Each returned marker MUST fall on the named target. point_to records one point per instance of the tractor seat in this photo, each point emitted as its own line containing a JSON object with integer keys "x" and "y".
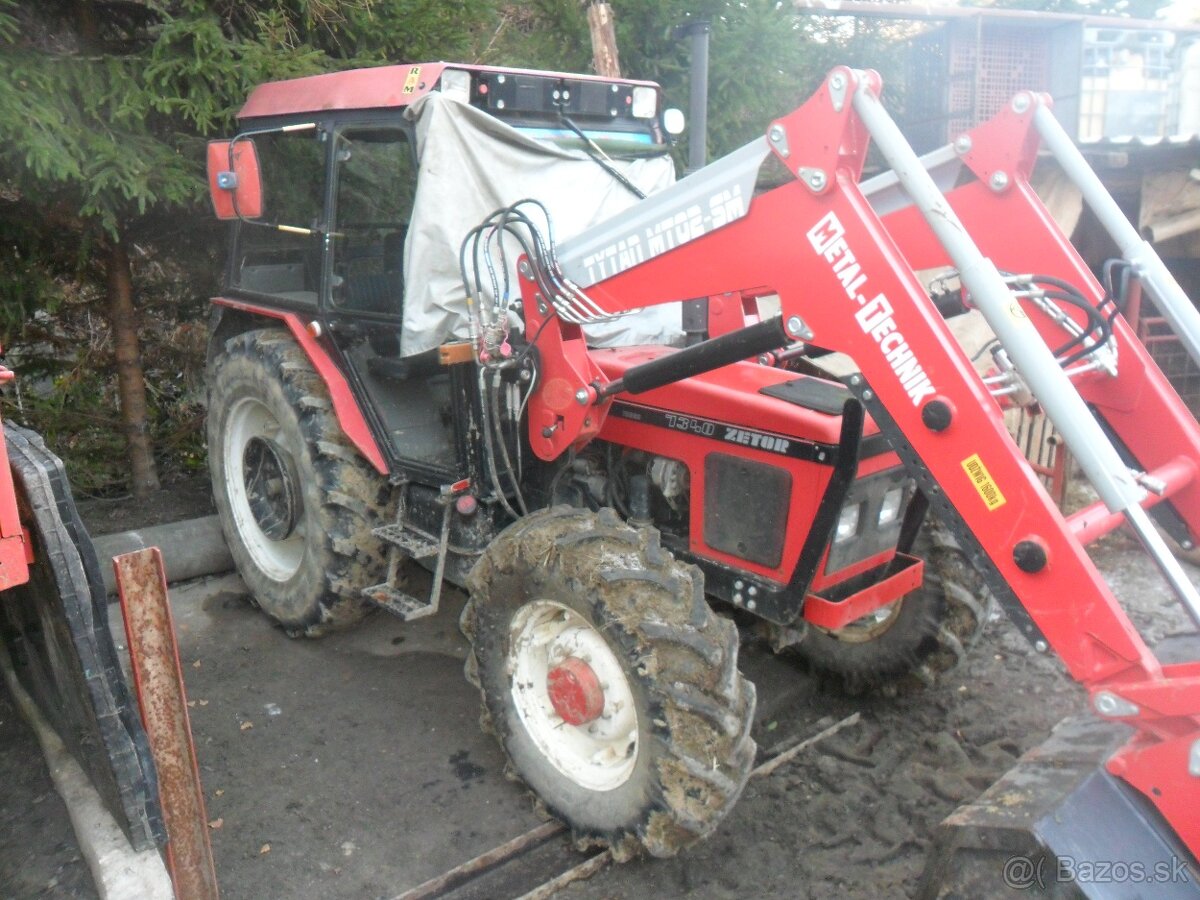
{"x": 378, "y": 292}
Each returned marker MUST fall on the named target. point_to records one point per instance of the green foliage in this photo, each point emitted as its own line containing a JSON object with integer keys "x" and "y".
{"x": 761, "y": 55}
{"x": 764, "y": 59}
{"x": 758, "y": 67}
{"x": 27, "y": 282}
{"x": 75, "y": 136}
{"x": 63, "y": 355}
{"x": 105, "y": 106}
{"x": 195, "y": 73}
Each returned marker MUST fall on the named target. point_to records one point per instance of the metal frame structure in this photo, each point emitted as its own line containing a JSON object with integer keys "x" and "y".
{"x": 819, "y": 237}
{"x": 15, "y": 546}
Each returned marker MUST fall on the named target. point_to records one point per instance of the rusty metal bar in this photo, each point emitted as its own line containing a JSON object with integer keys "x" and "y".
{"x": 473, "y": 868}
{"x": 584, "y": 870}
{"x": 792, "y": 752}
{"x": 158, "y": 682}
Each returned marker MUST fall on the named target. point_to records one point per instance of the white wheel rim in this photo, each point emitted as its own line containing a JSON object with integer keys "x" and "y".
{"x": 600, "y": 755}
{"x": 250, "y": 418}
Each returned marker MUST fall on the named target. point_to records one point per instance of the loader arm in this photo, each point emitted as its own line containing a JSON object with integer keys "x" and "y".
{"x": 846, "y": 278}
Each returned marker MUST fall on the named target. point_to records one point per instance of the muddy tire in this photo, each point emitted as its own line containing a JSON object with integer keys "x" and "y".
{"x": 667, "y": 749}
{"x": 919, "y": 638}
{"x": 297, "y": 501}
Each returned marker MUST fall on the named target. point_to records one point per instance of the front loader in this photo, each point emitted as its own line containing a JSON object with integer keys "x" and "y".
{"x": 611, "y": 488}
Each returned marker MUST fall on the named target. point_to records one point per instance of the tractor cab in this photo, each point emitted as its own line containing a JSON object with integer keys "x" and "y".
{"x": 351, "y": 192}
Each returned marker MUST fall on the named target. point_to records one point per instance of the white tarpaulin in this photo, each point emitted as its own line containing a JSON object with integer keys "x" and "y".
{"x": 472, "y": 164}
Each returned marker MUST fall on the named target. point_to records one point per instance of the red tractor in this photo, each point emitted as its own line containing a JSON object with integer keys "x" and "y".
{"x": 471, "y": 323}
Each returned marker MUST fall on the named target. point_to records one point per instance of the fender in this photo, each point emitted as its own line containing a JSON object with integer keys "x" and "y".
{"x": 345, "y": 406}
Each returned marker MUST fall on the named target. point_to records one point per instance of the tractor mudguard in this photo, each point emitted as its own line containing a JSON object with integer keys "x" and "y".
{"x": 55, "y": 627}
{"x": 349, "y": 415}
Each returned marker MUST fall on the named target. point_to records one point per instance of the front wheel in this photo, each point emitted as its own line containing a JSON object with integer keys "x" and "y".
{"x": 915, "y": 640}
{"x": 609, "y": 681}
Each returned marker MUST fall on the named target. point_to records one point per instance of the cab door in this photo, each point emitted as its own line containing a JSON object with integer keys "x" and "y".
{"x": 374, "y": 174}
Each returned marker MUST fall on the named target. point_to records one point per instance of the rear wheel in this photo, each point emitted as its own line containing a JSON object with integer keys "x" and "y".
{"x": 918, "y": 638}
{"x": 609, "y": 682}
{"x": 297, "y": 502}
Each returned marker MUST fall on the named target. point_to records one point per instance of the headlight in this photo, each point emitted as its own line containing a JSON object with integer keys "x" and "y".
{"x": 645, "y": 103}
{"x": 456, "y": 83}
{"x": 673, "y": 121}
{"x": 889, "y": 509}
{"x": 847, "y": 525}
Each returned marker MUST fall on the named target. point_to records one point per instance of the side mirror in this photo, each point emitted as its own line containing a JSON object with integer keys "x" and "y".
{"x": 234, "y": 179}
{"x": 673, "y": 122}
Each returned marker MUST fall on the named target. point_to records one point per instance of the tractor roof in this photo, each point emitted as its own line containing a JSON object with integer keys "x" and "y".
{"x": 375, "y": 88}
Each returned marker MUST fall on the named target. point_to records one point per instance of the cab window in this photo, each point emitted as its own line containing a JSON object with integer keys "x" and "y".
{"x": 376, "y": 179}
{"x": 280, "y": 252}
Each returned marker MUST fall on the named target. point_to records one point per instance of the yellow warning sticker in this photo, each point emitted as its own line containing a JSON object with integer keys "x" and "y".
{"x": 414, "y": 76}
{"x": 982, "y": 479}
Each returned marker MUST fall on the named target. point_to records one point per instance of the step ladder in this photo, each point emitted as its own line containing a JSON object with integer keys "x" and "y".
{"x": 409, "y": 542}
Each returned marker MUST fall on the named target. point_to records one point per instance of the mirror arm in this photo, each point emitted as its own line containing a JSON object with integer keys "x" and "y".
{"x": 245, "y": 135}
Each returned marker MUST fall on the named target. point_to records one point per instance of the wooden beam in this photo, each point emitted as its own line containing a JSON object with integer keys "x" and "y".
{"x": 604, "y": 39}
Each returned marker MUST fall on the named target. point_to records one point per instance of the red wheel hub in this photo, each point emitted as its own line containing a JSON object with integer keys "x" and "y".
{"x": 575, "y": 691}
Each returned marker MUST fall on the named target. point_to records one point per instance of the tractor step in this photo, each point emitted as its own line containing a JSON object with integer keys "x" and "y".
{"x": 399, "y": 603}
{"x": 414, "y": 545}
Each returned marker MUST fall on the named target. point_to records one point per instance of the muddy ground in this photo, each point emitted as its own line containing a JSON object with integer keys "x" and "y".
{"x": 353, "y": 766}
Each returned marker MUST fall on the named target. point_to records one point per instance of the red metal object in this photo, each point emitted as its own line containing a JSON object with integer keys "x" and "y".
{"x": 1095, "y": 521}
{"x": 245, "y": 198}
{"x": 15, "y": 559}
{"x": 158, "y": 682}
{"x": 16, "y": 549}
{"x": 733, "y": 396}
{"x": 349, "y": 414}
{"x": 561, "y": 421}
{"x": 800, "y": 241}
{"x": 732, "y": 310}
{"x": 575, "y": 691}
{"x": 849, "y": 276}
{"x": 834, "y": 614}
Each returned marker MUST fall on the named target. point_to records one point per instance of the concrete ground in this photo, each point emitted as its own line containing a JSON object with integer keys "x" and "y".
{"x": 39, "y": 856}
{"x": 354, "y": 767}
{"x": 351, "y": 766}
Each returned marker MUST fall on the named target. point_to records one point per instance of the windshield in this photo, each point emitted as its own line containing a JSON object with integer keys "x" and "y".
{"x": 617, "y": 144}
